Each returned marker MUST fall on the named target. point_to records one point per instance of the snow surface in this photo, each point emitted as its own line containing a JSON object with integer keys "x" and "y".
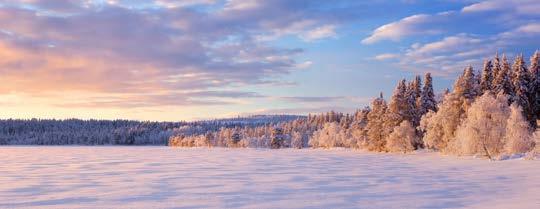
{"x": 165, "y": 177}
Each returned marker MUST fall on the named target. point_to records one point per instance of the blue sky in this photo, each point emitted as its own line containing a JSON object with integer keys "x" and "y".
{"x": 171, "y": 60}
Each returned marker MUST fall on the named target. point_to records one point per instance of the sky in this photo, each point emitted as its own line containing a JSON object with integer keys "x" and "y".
{"x": 172, "y": 60}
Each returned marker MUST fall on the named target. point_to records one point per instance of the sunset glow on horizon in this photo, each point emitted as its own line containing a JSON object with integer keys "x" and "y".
{"x": 172, "y": 60}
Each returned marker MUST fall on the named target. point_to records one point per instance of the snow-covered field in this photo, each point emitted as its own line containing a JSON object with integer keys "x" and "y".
{"x": 164, "y": 177}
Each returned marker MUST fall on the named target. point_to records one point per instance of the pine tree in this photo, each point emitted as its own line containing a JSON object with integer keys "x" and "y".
{"x": 521, "y": 87}
{"x": 487, "y": 77}
{"x": 427, "y": 97}
{"x": 375, "y": 126}
{"x": 534, "y": 70}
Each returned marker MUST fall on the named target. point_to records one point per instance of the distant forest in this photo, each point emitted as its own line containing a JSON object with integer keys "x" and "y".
{"x": 117, "y": 132}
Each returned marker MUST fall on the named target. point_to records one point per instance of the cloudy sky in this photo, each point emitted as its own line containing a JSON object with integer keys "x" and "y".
{"x": 170, "y": 60}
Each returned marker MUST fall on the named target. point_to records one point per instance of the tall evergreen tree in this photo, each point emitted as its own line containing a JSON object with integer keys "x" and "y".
{"x": 414, "y": 90}
{"x": 487, "y": 77}
{"x": 503, "y": 82}
{"x": 466, "y": 85}
{"x": 427, "y": 97}
{"x": 534, "y": 70}
{"x": 375, "y": 126}
{"x": 522, "y": 87}
{"x": 495, "y": 67}
{"x": 398, "y": 108}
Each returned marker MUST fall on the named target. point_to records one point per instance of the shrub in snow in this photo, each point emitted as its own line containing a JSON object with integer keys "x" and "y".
{"x": 518, "y": 137}
{"x": 402, "y": 138}
{"x": 481, "y": 131}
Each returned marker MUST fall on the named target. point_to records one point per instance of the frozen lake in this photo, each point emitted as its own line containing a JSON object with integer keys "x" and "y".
{"x": 163, "y": 177}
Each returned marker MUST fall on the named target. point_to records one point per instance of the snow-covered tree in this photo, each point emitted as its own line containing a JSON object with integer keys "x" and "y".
{"x": 503, "y": 82}
{"x": 402, "y": 138}
{"x": 413, "y": 93}
{"x": 522, "y": 89}
{"x": 427, "y": 97}
{"x": 487, "y": 77}
{"x": 481, "y": 131}
{"x": 375, "y": 126}
{"x": 518, "y": 137}
{"x": 439, "y": 127}
{"x": 331, "y": 135}
{"x": 534, "y": 70}
{"x": 398, "y": 108}
{"x": 278, "y": 138}
{"x": 466, "y": 85}
{"x": 496, "y": 69}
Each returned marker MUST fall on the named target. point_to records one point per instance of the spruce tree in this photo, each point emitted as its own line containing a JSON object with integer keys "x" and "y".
{"x": 427, "y": 97}
{"x": 486, "y": 77}
{"x": 398, "y": 108}
{"x": 495, "y": 67}
{"x": 414, "y": 90}
{"x": 522, "y": 87}
{"x": 375, "y": 126}
{"x": 534, "y": 70}
{"x": 502, "y": 82}
{"x": 466, "y": 85}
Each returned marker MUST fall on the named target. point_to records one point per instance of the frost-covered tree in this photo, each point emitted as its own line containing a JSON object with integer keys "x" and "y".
{"x": 331, "y": 135}
{"x": 414, "y": 90}
{"x": 358, "y": 128}
{"x": 402, "y": 138}
{"x": 518, "y": 137}
{"x": 299, "y": 140}
{"x": 534, "y": 70}
{"x": 503, "y": 82}
{"x": 487, "y": 77}
{"x": 375, "y": 126}
{"x": 278, "y": 138}
{"x": 466, "y": 85}
{"x": 398, "y": 108}
{"x": 496, "y": 69}
{"x": 522, "y": 89}
{"x": 439, "y": 127}
{"x": 481, "y": 131}
{"x": 427, "y": 97}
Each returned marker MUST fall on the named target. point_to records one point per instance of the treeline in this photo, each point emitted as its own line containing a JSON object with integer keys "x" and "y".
{"x": 491, "y": 113}
{"x": 116, "y": 132}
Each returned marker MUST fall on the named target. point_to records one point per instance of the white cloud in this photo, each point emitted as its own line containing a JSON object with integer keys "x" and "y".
{"x": 325, "y": 31}
{"x": 386, "y": 56}
{"x": 394, "y": 31}
{"x": 526, "y": 7}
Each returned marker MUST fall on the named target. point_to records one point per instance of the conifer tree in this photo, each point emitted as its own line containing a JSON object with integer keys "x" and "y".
{"x": 496, "y": 68}
{"x": 427, "y": 96}
{"x": 466, "y": 85}
{"x": 521, "y": 84}
{"x": 487, "y": 77}
{"x": 534, "y": 70}
{"x": 375, "y": 126}
{"x": 414, "y": 90}
{"x": 398, "y": 108}
{"x": 503, "y": 82}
